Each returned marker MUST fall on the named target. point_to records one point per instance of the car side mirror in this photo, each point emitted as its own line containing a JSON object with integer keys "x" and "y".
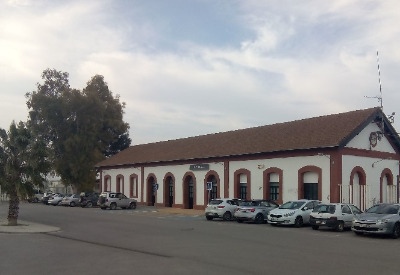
{"x": 305, "y": 208}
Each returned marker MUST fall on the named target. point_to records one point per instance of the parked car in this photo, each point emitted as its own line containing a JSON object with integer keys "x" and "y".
{"x": 55, "y": 199}
{"x": 221, "y": 208}
{"x": 294, "y": 213}
{"x": 88, "y": 199}
{"x": 334, "y": 215}
{"x": 254, "y": 210}
{"x": 113, "y": 200}
{"x": 46, "y": 197}
{"x": 37, "y": 196}
{"x": 71, "y": 200}
{"x": 382, "y": 218}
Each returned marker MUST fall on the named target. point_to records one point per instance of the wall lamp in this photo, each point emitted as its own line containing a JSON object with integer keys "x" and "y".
{"x": 327, "y": 156}
{"x": 373, "y": 164}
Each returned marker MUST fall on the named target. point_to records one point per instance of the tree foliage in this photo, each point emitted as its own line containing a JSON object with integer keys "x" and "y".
{"x": 81, "y": 127}
{"x": 23, "y": 165}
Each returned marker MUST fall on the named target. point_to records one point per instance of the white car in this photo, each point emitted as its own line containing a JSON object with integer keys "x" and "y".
{"x": 294, "y": 213}
{"x": 255, "y": 210}
{"x": 221, "y": 208}
{"x": 334, "y": 215}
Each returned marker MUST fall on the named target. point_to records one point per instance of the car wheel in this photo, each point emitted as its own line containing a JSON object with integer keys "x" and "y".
{"x": 259, "y": 219}
{"x": 298, "y": 222}
{"x": 227, "y": 216}
{"x": 113, "y": 206}
{"x": 396, "y": 231}
{"x": 315, "y": 227}
{"x": 132, "y": 205}
{"x": 89, "y": 204}
{"x": 340, "y": 226}
{"x": 209, "y": 218}
{"x": 72, "y": 204}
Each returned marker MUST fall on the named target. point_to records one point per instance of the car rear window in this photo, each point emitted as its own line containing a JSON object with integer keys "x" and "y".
{"x": 215, "y": 202}
{"x": 324, "y": 208}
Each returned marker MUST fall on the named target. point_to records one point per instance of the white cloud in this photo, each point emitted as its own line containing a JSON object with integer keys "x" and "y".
{"x": 294, "y": 60}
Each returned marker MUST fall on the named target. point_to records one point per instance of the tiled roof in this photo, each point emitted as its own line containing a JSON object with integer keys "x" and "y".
{"x": 318, "y": 132}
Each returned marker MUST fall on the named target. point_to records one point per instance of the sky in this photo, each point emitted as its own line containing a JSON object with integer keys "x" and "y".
{"x": 193, "y": 67}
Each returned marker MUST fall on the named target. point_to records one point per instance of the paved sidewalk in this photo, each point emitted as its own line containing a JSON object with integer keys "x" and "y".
{"x": 26, "y": 227}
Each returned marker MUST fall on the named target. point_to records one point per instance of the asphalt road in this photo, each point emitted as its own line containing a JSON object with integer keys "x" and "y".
{"x": 94, "y": 241}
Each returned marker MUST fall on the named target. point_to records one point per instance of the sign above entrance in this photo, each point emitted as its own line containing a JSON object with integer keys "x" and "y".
{"x": 199, "y": 167}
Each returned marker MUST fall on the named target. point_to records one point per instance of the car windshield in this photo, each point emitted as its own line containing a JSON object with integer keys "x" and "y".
{"x": 292, "y": 205}
{"x": 249, "y": 203}
{"x": 215, "y": 202}
{"x": 383, "y": 209}
{"x": 324, "y": 208}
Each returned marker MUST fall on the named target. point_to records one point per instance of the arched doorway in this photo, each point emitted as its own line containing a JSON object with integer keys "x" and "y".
{"x": 169, "y": 191}
{"x": 388, "y": 191}
{"x": 189, "y": 191}
{"x": 358, "y": 188}
{"x": 212, "y": 179}
{"x": 151, "y": 192}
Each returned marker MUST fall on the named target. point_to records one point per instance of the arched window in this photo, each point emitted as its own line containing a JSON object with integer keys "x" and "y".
{"x": 273, "y": 184}
{"x": 120, "y": 183}
{"x": 310, "y": 183}
{"x": 107, "y": 183}
{"x": 242, "y": 183}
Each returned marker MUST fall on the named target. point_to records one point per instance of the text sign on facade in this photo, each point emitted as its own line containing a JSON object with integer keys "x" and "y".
{"x": 199, "y": 167}
{"x": 209, "y": 185}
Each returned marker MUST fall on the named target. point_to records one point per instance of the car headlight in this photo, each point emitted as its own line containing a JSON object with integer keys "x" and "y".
{"x": 289, "y": 214}
{"x": 382, "y": 221}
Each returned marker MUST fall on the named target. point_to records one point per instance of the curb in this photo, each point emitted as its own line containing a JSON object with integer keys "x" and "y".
{"x": 27, "y": 227}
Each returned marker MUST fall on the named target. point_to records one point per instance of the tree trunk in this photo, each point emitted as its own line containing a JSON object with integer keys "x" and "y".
{"x": 13, "y": 208}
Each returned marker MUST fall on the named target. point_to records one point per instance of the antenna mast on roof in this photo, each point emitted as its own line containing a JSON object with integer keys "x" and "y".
{"x": 380, "y": 84}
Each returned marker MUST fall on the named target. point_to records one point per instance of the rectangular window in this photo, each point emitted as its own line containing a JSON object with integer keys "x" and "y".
{"x": 311, "y": 191}
{"x": 274, "y": 191}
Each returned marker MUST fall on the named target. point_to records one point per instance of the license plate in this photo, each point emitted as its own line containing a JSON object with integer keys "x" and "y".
{"x": 318, "y": 222}
{"x": 274, "y": 219}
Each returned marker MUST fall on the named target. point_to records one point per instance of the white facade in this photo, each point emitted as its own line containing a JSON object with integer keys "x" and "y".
{"x": 364, "y": 171}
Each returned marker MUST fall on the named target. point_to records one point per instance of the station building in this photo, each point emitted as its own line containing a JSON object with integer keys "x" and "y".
{"x": 347, "y": 157}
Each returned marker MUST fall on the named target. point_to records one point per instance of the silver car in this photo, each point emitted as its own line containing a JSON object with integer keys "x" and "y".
{"x": 113, "y": 200}
{"x": 334, "y": 215}
{"x": 70, "y": 200}
{"x": 221, "y": 208}
{"x": 382, "y": 218}
{"x": 254, "y": 210}
{"x": 55, "y": 199}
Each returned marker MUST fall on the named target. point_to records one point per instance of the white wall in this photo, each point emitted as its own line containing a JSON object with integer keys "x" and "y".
{"x": 361, "y": 141}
